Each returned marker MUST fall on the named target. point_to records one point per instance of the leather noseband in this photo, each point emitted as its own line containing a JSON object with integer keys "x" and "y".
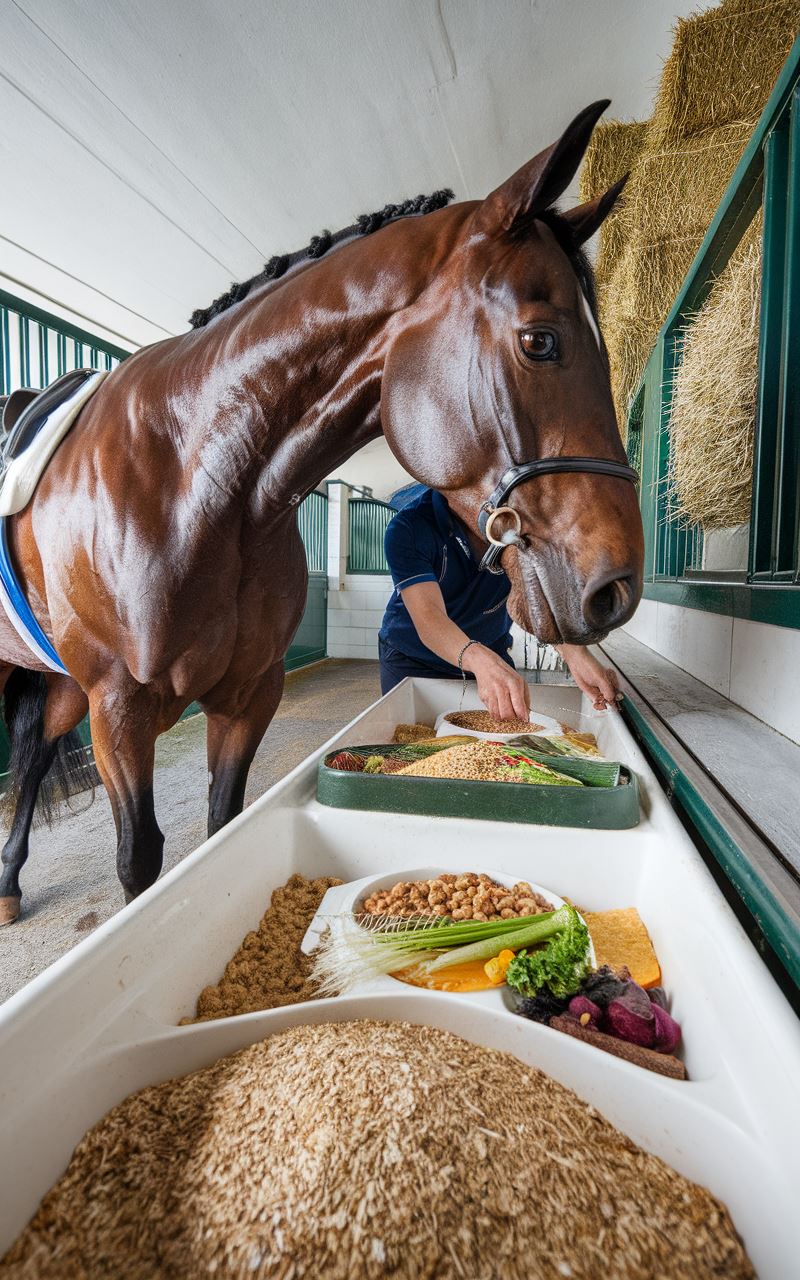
{"x": 527, "y": 471}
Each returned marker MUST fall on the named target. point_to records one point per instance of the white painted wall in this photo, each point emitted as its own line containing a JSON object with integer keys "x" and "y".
{"x": 152, "y": 152}
{"x": 754, "y": 664}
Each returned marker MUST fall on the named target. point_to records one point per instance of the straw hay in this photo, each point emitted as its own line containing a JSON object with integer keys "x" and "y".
{"x": 672, "y": 197}
{"x": 370, "y": 1149}
{"x": 712, "y": 415}
{"x": 613, "y": 151}
{"x": 715, "y": 83}
{"x": 723, "y": 65}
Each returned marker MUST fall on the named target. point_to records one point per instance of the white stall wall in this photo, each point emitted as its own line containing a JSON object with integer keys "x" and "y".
{"x": 754, "y": 664}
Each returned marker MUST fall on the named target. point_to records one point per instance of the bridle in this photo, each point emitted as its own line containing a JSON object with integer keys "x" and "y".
{"x": 493, "y": 506}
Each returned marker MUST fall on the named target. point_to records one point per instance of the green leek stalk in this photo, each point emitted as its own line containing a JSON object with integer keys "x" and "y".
{"x": 435, "y": 936}
{"x": 543, "y": 927}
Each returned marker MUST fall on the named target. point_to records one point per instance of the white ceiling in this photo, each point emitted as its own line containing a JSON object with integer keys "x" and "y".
{"x": 154, "y": 150}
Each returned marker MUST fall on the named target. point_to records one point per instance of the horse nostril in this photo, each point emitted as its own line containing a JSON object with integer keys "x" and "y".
{"x": 608, "y": 602}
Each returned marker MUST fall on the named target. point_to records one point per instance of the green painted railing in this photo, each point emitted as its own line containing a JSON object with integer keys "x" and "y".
{"x": 768, "y": 590}
{"x": 36, "y": 347}
{"x": 368, "y": 520}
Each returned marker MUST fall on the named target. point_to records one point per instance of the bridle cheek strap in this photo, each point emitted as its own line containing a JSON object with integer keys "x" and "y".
{"x": 515, "y": 476}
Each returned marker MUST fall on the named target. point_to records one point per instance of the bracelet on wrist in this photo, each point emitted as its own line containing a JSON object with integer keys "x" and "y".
{"x": 463, "y": 651}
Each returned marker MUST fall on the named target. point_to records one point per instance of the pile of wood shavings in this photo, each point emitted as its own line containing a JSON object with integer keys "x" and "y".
{"x": 269, "y": 970}
{"x": 370, "y": 1149}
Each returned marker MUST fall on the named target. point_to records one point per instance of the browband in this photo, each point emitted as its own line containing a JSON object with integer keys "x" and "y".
{"x": 526, "y": 471}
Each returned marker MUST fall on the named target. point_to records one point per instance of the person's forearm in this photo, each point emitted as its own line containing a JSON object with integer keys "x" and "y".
{"x": 441, "y": 635}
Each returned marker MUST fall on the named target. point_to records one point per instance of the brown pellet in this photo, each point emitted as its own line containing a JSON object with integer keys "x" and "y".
{"x": 269, "y": 969}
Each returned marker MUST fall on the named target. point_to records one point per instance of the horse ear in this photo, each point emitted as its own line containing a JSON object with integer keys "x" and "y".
{"x": 538, "y": 184}
{"x": 585, "y": 219}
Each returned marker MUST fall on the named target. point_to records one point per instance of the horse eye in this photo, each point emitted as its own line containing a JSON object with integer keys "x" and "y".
{"x": 539, "y": 344}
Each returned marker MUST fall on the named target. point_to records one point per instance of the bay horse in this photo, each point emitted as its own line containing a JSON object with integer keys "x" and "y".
{"x": 161, "y": 552}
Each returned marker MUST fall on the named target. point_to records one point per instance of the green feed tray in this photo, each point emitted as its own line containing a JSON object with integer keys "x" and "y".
{"x": 606, "y": 808}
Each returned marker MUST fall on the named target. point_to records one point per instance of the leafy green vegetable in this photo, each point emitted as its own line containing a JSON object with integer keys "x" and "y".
{"x": 560, "y": 967}
{"x": 531, "y": 770}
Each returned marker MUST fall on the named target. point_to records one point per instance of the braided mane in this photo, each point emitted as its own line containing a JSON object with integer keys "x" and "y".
{"x": 319, "y": 245}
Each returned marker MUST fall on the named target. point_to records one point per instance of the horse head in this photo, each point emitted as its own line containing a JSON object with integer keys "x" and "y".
{"x": 501, "y": 363}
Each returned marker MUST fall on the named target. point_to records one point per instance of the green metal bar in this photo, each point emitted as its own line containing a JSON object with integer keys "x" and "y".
{"x": 24, "y": 351}
{"x": 44, "y": 355}
{"x": 778, "y": 604}
{"x": 785, "y": 518}
{"x": 5, "y": 363}
{"x": 770, "y": 350}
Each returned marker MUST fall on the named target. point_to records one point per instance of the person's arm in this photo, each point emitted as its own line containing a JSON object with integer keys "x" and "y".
{"x": 501, "y": 689}
{"x": 598, "y": 682}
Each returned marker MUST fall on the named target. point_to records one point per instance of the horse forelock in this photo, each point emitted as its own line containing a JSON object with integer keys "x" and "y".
{"x": 278, "y": 265}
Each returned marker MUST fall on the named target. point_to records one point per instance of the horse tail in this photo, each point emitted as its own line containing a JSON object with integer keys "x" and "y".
{"x": 64, "y": 773}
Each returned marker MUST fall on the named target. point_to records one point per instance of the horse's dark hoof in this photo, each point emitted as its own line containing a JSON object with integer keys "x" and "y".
{"x": 9, "y": 910}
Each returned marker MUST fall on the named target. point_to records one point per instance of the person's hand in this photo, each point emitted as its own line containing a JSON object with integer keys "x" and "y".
{"x": 598, "y": 682}
{"x": 501, "y": 689}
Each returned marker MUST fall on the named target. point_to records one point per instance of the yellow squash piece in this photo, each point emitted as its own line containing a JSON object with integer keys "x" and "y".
{"x": 620, "y": 938}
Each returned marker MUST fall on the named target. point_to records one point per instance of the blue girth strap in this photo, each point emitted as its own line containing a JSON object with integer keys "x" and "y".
{"x": 15, "y": 600}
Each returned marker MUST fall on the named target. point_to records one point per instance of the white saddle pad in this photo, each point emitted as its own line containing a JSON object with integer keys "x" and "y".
{"x": 24, "y": 473}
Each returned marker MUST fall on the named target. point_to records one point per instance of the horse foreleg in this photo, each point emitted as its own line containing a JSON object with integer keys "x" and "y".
{"x": 65, "y": 706}
{"x": 233, "y": 737}
{"x": 124, "y": 730}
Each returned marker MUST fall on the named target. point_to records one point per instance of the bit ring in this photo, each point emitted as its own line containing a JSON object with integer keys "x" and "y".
{"x": 506, "y": 540}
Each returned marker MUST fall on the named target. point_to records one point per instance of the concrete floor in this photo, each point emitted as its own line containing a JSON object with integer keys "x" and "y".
{"x": 69, "y": 883}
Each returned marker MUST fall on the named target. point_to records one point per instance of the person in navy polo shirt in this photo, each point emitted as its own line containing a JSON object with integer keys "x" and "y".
{"x": 445, "y": 611}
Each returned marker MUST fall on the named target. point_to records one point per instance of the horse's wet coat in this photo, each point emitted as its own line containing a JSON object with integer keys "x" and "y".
{"x": 161, "y": 550}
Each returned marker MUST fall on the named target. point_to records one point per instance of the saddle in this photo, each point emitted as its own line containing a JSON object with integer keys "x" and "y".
{"x": 25, "y": 411}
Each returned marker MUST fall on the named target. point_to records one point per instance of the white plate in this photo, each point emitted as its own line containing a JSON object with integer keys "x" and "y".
{"x": 542, "y": 722}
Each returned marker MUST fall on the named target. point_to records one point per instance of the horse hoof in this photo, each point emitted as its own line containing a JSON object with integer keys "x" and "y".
{"x": 9, "y": 910}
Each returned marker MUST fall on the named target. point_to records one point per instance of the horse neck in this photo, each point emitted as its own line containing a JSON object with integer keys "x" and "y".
{"x": 293, "y": 379}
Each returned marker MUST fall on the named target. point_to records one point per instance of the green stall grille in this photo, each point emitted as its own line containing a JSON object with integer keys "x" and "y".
{"x": 36, "y": 347}
{"x": 368, "y": 519}
{"x": 767, "y": 588}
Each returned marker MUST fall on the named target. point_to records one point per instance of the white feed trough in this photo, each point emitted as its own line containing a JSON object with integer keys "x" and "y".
{"x": 102, "y": 1021}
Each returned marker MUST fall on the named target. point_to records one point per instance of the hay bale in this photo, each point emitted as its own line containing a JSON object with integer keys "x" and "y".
{"x": 713, "y": 409}
{"x": 714, "y": 86}
{"x": 723, "y": 66}
{"x": 672, "y": 197}
{"x": 613, "y": 151}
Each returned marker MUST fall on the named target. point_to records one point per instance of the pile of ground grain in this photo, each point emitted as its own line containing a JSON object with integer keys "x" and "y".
{"x": 412, "y": 732}
{"x": 476, "y": 761}
{"x": 269, "y": 969}
{"x": 484, "y": 722}
{"x": 370, "y": 1149}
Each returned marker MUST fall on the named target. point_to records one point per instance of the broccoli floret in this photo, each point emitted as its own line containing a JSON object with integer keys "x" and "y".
{"x": 560, "y": 967}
